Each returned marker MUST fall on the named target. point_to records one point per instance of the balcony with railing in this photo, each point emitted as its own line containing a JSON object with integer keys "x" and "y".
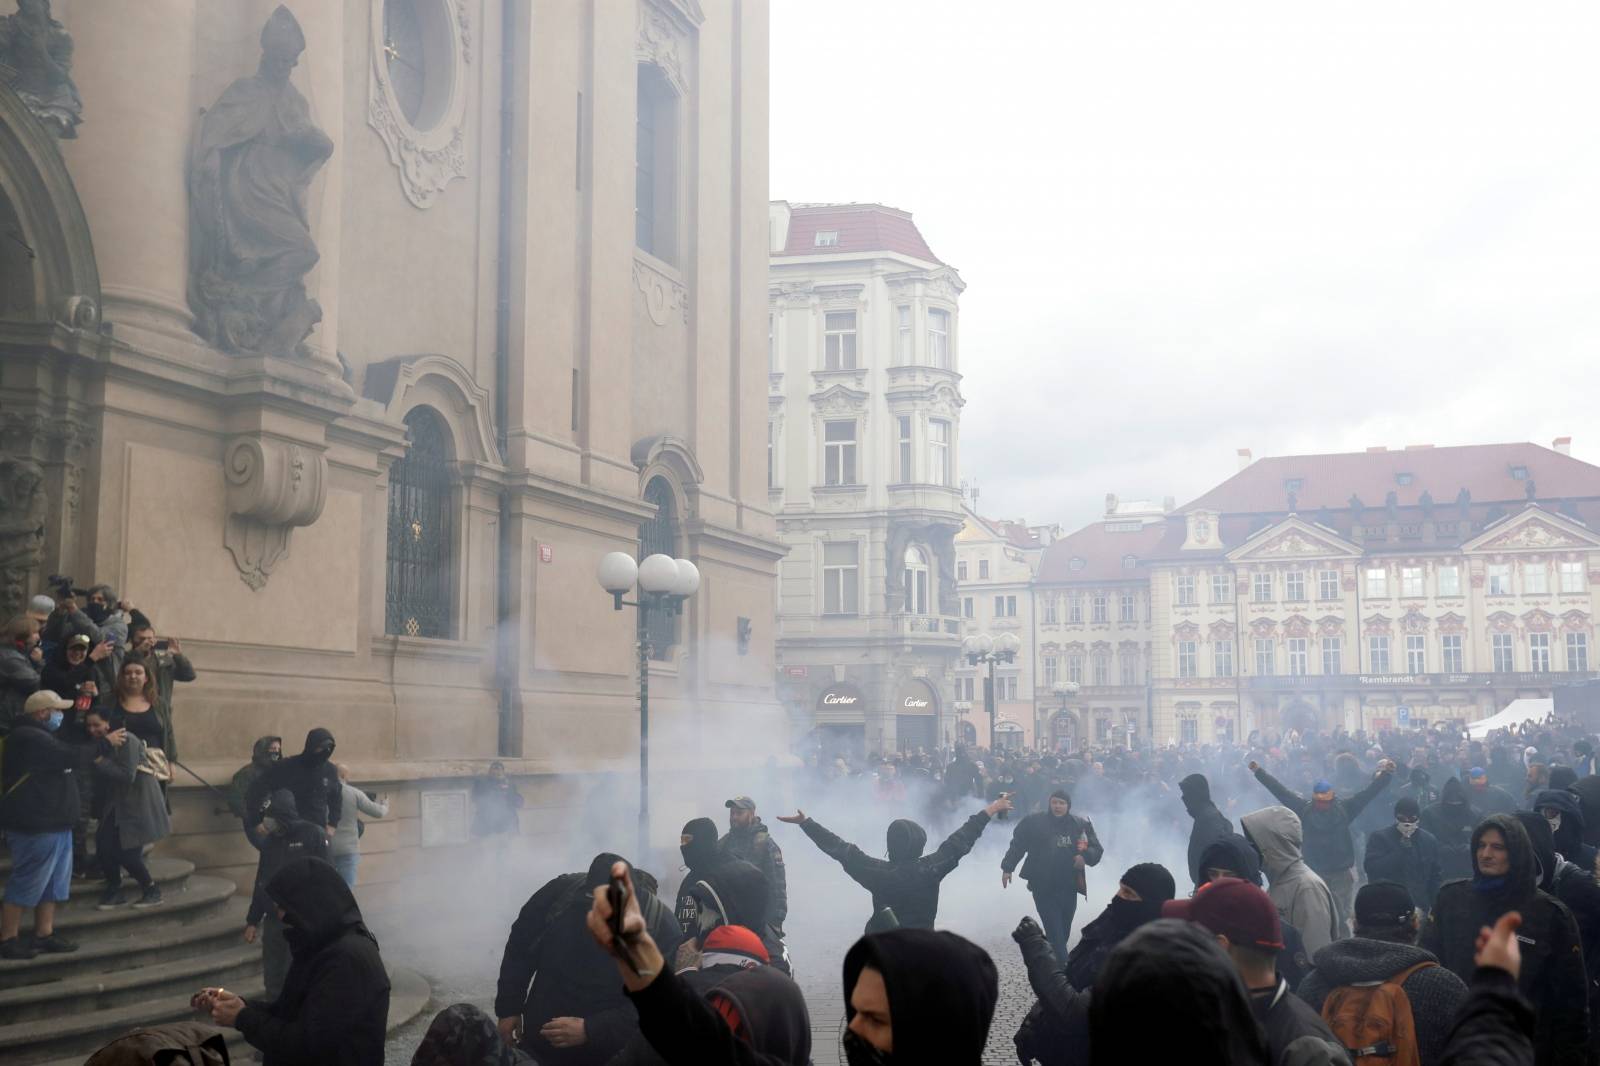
{"x": 942, "y": 629}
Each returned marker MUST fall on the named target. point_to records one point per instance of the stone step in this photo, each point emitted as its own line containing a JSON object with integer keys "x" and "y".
{"x": 135, "y": 944}
{"x": 170, "y": 874}
{"x": 409, "y": 996}
{"x": 199, "y": 897}
{"x": 237, "y": 966}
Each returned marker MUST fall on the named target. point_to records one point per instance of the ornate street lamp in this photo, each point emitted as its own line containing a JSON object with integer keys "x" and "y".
{"x": 983, "y": 648}
{"x": 1065, "y": 690}
{"x": 664, "y": 583}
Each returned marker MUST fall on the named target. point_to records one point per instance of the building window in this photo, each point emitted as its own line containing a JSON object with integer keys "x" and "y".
{"x": 1100, "y": 614}
{"x": 1578, "y": 652}
{"x": 826, "y": 238}
{"x": 1416, "y": 653}
{"x": 840, "y": 578}
{"x": 1539, "y": 652}
{"x": 1298, "y": 664}
{"x": 1188, "y": 730}
{"x": 1075, "y": 669}
{"x": 1075, "y": 609}
{"x": 1049, "y": 610}
{"x": 839, "y": 340}
{"x": 772, "y": 444}
{"x": 983, "y": 569}
{"x": 1535, "y": 579}
{"x": 421, "y": 548}
{"x": 1128, "y": 664}
{"x": 961, "y": 570}
{"x": 1102, "y": 670}
{"x": 1050, "y": 670}
{"x": 772, "y": 344}
{"x": 916, "y": 576}
{"x": 659, "y": 536}
{"x": 1502, "y": 653}
{"x": 1222, "y": 658}
{"x": 1102, "y": 730}
{"x": 939, "y": 451}
{"x": 1221, "y": 588}
{"x": 908, "y": 473}
{"x": 1294, "y": 585}
{"x": 966, "y": 607}
{"x": 1125, "y": 608}
{"x": 1008, "y": 686}
{"x": 904, "y": 337}
{"x": 1331, "y": 650}
{"x": 655, "y": 165}
{"x": 1186, "y": 658}
{"x": 1377, "y": 584}
{"x": 1183, "y": 590}
{"x": 1261, "y": 587}
{"x": 1327, "y": 584}
{"x": 1449, "y": 581}
{"x": 939, "y": 338}
{"x": 1005, "y": 606}
{"x": 839, "y": 453}
{"x": 1450, "y": 653}
{"x": 1411, "y": 581}
{"x": 1011, "y": 606}
{"x": 1572, "y": 577}
{"x": 1499, "y": 575}
{"x": 1266, "y": 657}
{"x": 971, "y": 689}
{"x": 1377, "y": 654}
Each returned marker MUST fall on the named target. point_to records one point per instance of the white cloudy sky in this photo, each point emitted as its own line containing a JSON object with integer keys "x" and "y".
{"x": 1189, "y": 228}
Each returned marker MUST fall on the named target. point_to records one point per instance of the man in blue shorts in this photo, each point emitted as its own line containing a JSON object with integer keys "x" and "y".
{"x": 38, "y": 810}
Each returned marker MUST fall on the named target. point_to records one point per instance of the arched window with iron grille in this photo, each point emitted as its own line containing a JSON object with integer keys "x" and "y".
{"x": 421, "y": 552}
{"x": 659, "y": 535}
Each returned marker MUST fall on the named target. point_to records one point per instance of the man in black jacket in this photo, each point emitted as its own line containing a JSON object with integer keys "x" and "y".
{"x": 334, "y": 1007}
{"x": 286, "y": 838}
{"x": 312, "y": 778}
{"x": 906, "y": 885}
{"x": 1210, "y": 824}
{"x": 1406, "y": 853}
{"x": 1059, "y": 847}
{"x": 38, "y": 809}
{"x": 1140, "y": 895}
{"x": 1325, "y": 821}
{"x": 1451, "y": 821}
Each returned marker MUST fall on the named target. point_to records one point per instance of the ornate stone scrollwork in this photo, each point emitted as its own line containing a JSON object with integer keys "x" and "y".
{"x": 24, "y": 509}
{"x": 427, "y": 142}
{"x": 273, "y": 486}
{"x": 662, "y": 295}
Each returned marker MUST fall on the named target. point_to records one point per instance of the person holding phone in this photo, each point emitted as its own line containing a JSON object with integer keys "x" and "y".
{"x": 165, "y": 662}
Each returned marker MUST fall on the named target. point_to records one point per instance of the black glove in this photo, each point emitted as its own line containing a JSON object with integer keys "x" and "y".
{"x": 1026, "y": 930}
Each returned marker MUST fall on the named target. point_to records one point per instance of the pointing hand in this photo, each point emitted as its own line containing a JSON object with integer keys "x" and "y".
{"x": 796, "y": 818}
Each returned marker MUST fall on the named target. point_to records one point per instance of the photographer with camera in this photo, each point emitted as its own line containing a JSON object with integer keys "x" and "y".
{"x": 66, "y": 616}
{"x": 20, "y": 663}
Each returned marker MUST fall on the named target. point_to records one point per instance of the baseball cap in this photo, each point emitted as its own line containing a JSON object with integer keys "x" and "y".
{"x": 78, "y": 639}
{"x": 45, "y": 700}
{"x": 1384, "y": 904}
{"x": 743, "y": 803}
{"x": 1232, "y": 908}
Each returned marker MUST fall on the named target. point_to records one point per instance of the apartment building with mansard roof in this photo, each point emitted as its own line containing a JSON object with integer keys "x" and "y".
{"x": 863, "y": 444}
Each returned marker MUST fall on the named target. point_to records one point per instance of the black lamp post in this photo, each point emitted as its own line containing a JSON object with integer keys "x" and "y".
{"x": 986, "y": 649}
{"x": 664, "y": 583}
{"x": 1065, "y": 690}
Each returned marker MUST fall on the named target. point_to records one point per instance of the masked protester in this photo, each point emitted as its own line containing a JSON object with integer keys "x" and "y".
{"x": 1210, "y": 824}
{"x": 335, "y": 1001}
{"x": 285, "y": 838}
{"x": 1302, "y": 898}
{"x": 917, "y": 996}
{"x": 1142, "y": 891}
{"x": 1059, "y": 848}
{"x": 905, "y": 887}
{"x": 1564, "y": 813}
{"x": 1237, "y": 857}
{"x": 1506, "y": 878}
{"x": 264, "y": 755}
{"x": 312, "y": 778}
{"x": 1488, "y": 798}
{"x": 1406, "y": 853}
{"x": 698, "y": 846}
{"x": 1451, "y": 821}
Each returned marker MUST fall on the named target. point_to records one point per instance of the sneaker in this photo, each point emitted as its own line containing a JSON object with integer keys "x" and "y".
{"x": 16, "y": 948}
{"x": 54, "y": 944}
{"x": 150, "y": 898}
{"x": 111, "y": 899}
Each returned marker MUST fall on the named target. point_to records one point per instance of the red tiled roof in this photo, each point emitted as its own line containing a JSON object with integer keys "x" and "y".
{"x": 1484, "y": 470}
{"x": 1102, "y": 552}
{"x": 861, "y": 228}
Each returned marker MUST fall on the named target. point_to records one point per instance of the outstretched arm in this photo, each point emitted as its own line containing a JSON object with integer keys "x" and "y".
{"x": 1291, "y": 800}
{"x": 955, "y": 847}
{"x": 856, "y": 862}
{"x": 1380, "y": 780}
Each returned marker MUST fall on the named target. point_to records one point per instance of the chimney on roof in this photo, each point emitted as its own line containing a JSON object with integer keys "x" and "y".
{"x": 1168, "y": 503}
{"x": 1562, "y": 445}
{"x": 1372, "y": 449}
{"x": 1244, "y": 458}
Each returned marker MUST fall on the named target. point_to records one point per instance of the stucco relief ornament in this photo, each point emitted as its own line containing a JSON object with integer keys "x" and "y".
{"x": 662, "y": 295}
{"x": 424, "y": 171}
{"x": 250, "y": 246}
{"x": 1291, "y": 544}
{"x": 660, "y": 42}
{"x": 1533, "y": 535}
{"x": 272, "y": 487}
{"x": 24, "y": 508}
{"x": 36, "y": 61}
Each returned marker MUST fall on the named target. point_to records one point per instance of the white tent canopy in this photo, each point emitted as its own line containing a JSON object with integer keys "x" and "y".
{"x": 1514, "y": 714}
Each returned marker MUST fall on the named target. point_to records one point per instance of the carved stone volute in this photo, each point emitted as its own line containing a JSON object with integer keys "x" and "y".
{"x": 273, "y": 486}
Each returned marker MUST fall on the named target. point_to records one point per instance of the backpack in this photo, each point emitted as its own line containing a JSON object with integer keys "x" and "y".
{"x": 1372, "y": 1019}
{"x": 177, "y": 1044}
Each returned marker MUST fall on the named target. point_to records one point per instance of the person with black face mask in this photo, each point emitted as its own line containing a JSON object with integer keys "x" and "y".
{"x": 905, "y": 887}
{"x": 264, "y": 755}
{"x": 917, "y": 996}
{"x": 698, "y": 845}
{"x": 310, "y": 776}
{"x": 1144, "y": 888}
{"x": 285, "y": 838}
{"x": 1451, "y": 821}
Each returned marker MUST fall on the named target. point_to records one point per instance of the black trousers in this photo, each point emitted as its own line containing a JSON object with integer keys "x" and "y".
{"x": 114, "y": 858}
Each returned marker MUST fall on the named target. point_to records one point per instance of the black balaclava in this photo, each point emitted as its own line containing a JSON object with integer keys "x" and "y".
{"x": 318, "y": 905}
{"x": 1196, "y": 792}
{"x": 600, "y": 869}
{"x": 319, "y": 746}
{"x": 734, "y": 893}
{"x": 1155, "y": 887}
{"x": 1236, "y": 853}
{"x": 701, "y": 852}
{"x": 906, "y": 840}
{"x": 1544, "y": 847}
{"x": 942, "y": 990}
{"x": 282, "y": 808}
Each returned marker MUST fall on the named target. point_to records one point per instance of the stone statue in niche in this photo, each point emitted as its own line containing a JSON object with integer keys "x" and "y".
{"x": 36, "y": 61}
{"x": 23, "y": 510}
{"x": 250, "y": 244}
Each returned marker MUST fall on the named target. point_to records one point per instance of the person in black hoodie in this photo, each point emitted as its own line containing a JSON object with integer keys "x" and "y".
{"x": 1565, "y": 815}
{"x": 1140, "y": 894}
{"x": 312, "y": 778}
{"x": 904, "y": 887}
{"x": 1405, "y": 852}
{"x": 698, "y": 845}
{"x": 1506, "y": 878}
{"x": 1210, "y": 824}
{"x": 1059, "y": 848}
{"x": 1451, "y": 822}
{"x": 918, "y": 996}
{"x": 335, "y": 1003}
{"x": 287, "y": 837}
{"x": 1235, "y": 856}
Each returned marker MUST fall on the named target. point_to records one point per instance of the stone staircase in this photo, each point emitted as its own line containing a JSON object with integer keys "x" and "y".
{"x": 139, "y": 967}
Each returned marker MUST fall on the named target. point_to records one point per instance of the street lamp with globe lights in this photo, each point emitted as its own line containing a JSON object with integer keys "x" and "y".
{"x": 983, "y": 648}
{"x": 664, "y": 584}
{"x": 1065, "y": 690}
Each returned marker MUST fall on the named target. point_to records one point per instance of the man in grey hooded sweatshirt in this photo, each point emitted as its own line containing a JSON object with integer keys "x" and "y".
{"x": 1302, "y": 898}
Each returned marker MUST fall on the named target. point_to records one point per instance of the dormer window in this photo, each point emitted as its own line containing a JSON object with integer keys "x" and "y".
{"x": 827, "y": 238}
{"x": 1129, "y": 562}
{"x": 1519, "y": 473}
{"x": 1076, "y": 563}
{"x": 1293, "y": 484}
{"x": 1402, "y": 478}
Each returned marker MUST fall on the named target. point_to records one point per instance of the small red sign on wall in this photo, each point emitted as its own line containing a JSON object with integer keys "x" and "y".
{"x": 547, "y": 553}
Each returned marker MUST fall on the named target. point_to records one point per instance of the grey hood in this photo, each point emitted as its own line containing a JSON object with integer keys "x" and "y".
{"x": 1356, "y": 959}
{"x": 1276, "y": 833}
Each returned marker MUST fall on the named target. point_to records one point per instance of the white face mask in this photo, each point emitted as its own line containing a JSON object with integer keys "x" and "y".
{"x": 1555, "y": 823}
{"x": 1406, "y": 828}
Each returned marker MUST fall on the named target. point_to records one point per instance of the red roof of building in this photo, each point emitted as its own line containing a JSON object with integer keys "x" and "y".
{"x": 1486, "y": 471}
{"x": 861, "y": 228}
{"x": 1103, "y": 552}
